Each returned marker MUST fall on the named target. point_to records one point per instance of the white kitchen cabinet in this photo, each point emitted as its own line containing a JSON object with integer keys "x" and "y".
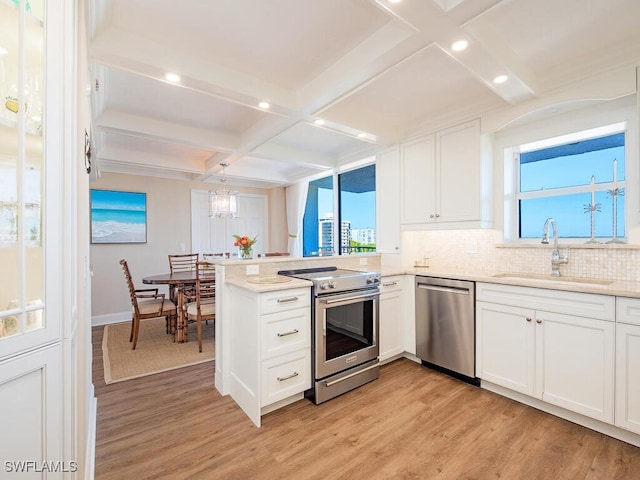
{"x": 418, "y": 177}
{"x": 388, "y": 201}
{"x": 44, "y": 402}
{"x": 442, "y": 179}
{"x": 542, "y": 343}
{"x": 628, "y": 364}
{"x": 31, "y": 420}
{"x": 270, "y": 357}
{"x": 506, "y": 346}
{"x": 391, "y": 334}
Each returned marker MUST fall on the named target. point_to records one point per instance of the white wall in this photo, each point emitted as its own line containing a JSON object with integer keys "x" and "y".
{"x": 168, "y": 229}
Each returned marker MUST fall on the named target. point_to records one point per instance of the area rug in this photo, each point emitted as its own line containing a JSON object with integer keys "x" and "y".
{"x": 155, "y": 351}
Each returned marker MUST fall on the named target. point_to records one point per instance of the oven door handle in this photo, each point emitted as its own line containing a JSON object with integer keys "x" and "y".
{"x": 349, "y": 299}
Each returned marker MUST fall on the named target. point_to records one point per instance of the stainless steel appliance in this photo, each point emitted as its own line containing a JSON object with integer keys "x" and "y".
{"x": 445, "y": 326}
{"x": 344, "y": 328}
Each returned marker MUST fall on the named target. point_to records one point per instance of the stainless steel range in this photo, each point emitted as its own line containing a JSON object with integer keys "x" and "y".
{"x": 344, "y": 328}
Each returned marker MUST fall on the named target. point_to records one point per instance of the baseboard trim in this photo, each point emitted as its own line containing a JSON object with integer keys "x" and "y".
{"x": 109, "y": 318}
{"x": 597, "y": 425}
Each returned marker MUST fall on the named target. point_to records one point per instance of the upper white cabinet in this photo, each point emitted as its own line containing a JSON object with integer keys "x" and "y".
{"x": 388, "y": 200}
{"x": 442, "y": 179}
{"x": 418, "y": 177}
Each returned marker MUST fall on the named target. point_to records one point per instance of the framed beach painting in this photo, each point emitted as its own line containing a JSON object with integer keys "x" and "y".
{"x": 118, "y": 217}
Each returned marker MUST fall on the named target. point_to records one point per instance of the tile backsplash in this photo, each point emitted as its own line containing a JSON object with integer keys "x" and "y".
{"x": 484, "y": 251}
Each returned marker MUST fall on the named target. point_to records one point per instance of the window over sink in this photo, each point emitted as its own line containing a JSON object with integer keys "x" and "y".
{"x": 565, "y": 178}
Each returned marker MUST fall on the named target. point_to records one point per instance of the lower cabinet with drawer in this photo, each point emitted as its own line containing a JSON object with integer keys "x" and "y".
{"x": 270, "y": 358}
{"x": 628, "y": 363}
{"x": 558, "y": 347}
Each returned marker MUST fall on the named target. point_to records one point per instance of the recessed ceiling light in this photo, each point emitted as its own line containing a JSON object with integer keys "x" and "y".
{"x": 318, "y": 121}
{"x": 459, "y": 45}
{"x": 172, "y": 77}
{"x": 362, "y": 135}
{"x": 500, "y": 79}
{"x": 264, "y": 105}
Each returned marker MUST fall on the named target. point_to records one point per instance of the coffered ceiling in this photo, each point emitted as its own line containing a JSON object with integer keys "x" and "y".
{"x": 373, "y": 71}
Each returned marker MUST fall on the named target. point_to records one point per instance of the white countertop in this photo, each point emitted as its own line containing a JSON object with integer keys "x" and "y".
{"x": 270, "y": 287}
{"x": 616, "y": 288}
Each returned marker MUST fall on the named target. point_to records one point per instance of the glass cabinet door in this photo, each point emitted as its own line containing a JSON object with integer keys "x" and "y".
{"x": 22, "y": 170}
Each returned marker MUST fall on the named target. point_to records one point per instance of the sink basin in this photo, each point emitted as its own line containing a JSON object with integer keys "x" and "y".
{"x": 549, "y": 278}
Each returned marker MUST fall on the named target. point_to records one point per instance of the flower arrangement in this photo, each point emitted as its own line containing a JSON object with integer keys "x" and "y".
{"x": 245, "y": 243}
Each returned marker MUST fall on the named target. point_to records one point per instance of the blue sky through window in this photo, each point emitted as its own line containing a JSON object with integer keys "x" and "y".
{"x": 541, "y": 172}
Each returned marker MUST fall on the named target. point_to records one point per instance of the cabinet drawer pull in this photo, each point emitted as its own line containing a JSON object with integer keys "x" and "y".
{"x": 528, "y": 319}
{"x": 282, "y": 379}
{"x": 389, "y": 284}
{"x": 538, "y": 321}
{"x": 292, "y": 332}
{"x": 288, "y": 300}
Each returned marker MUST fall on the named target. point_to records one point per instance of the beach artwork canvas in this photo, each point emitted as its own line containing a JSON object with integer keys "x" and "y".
{"x": 118, "y": 217}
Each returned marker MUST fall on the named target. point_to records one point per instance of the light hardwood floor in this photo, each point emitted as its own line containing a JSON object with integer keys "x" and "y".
{"x": 411, "y": 423}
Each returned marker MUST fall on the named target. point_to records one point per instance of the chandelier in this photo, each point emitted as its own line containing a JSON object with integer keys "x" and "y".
{"x": 223, "y": 202}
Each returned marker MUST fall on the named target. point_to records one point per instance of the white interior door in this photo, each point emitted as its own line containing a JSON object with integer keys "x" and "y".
{"x": 215, "y": 235}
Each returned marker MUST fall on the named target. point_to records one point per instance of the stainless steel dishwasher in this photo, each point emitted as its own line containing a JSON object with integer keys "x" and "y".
{"x": 445, "y": 326}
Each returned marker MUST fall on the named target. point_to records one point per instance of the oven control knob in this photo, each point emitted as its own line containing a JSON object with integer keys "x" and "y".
{"x": 332, "y": 285}
{"x": 324, "y": 285}
{"x": 373, "y": 280}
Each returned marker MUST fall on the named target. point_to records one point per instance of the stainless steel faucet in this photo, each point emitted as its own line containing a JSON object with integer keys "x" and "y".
{"x": 556, "y": 259}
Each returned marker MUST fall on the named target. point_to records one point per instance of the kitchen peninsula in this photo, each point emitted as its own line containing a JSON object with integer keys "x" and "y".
{"x": 595, "y": 319}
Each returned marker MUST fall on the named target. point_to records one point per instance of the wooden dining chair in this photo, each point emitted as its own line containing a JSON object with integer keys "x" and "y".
{"x": 147, "y": 303}
{"x": 182, "y": 262}
{"x": 204, "y": 306}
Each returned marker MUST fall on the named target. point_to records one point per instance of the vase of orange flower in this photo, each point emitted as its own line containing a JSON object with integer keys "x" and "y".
{"x": 245, "y": 244}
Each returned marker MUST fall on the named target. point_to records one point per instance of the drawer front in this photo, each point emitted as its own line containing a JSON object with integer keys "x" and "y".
{"x": 587, "y": 305}
{"x": 390, "y": 284}
{"x": 628, "y": 310}
{"x": 285, "y": 332}
{"x": 285, "y": 376}
{"x": 281, "y": 300}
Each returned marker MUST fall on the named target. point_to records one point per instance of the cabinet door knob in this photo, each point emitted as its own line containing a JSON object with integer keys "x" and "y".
{"x": 431, "y": 216}
{"x": 538, "y": 321}
{"x": 437, "y": 215}
{"x": 528, "y": 319}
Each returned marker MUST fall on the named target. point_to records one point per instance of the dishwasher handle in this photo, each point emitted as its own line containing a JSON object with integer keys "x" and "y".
{"x": 440, "y": 288}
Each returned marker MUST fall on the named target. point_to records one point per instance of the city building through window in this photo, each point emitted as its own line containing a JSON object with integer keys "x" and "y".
{"x": 353, "y": 218}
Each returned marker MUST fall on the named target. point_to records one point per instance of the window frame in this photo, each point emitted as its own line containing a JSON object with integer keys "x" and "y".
{"x": 512, "y": 183}
{"x": 337, "y": 220}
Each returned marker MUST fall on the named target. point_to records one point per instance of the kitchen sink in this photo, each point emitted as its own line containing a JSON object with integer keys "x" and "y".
{"x": 549, "y": 278}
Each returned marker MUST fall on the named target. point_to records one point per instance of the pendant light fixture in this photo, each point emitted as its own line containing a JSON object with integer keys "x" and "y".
{"x": 223, "y": 203}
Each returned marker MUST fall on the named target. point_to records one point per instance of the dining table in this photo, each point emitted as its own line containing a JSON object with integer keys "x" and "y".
{"x": 181, "y": 280}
